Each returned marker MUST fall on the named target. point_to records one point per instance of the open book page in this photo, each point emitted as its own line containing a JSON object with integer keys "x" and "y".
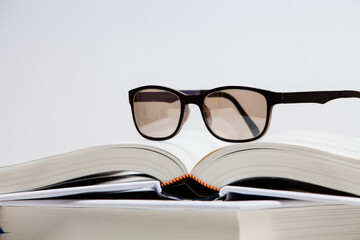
{"x": 332, "y": 143}
{"x": 159, "y": 204}
{"x": 164, "y": 160}
{"x": 189, "y": 146}
{"x": 100, "y": 188}
{"x": 321, "y": 159}
{"x": 304, "y": 196}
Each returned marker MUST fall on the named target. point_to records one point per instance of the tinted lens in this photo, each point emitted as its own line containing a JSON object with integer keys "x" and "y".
{"x": 156, "y": 112}
{"x": 235, "y": 114}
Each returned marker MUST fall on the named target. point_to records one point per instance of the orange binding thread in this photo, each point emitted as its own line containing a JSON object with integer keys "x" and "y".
{"x": 194, "y": 178}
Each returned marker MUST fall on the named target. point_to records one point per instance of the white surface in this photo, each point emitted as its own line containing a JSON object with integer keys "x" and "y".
{"x": 66, "y": 66}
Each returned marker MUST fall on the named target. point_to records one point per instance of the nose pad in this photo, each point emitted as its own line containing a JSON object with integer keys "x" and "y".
{"x": 186, "y": 115}
{"x": 207, "y": 115}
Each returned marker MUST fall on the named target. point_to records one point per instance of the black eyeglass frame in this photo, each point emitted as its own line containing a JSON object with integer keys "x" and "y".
{"x": 197, "y": 97}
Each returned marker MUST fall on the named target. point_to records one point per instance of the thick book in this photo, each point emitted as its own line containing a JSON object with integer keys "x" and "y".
{"x": 263, "y": 220}
{"x": 194, "y": 166}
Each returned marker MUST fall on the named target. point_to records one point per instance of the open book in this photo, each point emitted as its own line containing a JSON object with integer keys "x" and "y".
{"x": 196, "y": 166}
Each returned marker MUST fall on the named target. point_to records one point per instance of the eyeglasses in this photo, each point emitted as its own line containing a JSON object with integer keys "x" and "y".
{"x": 232, "y": 114}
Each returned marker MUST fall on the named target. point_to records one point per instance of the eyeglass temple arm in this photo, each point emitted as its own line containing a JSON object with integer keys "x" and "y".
{"x": 249, "y": 122}
{"x": 317, "y": 97}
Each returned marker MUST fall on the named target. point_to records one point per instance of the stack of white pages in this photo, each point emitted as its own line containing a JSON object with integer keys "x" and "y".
{"x": 149, "y": 219}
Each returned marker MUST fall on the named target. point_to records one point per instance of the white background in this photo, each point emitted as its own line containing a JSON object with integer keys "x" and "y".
{"x": 66, "y": 66}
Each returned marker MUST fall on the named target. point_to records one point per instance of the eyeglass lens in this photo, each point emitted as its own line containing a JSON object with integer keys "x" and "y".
{"x": 156, "y": 112}
{"x": 235, "y": 114}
